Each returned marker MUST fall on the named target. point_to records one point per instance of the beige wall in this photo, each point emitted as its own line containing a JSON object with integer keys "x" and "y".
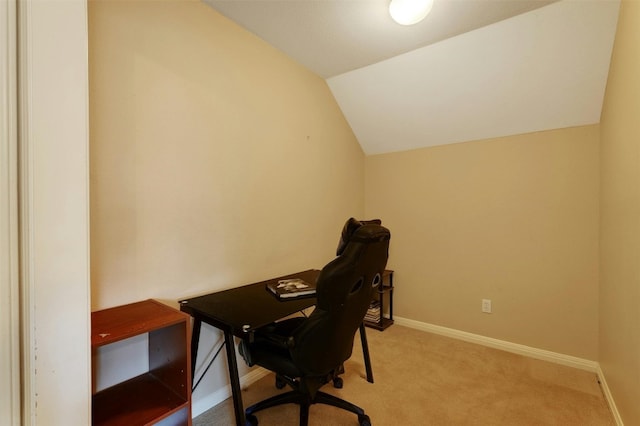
{"x": 620, "y": 221}
{"x": 513, "y": 219}
{"x": 215, "y": 159}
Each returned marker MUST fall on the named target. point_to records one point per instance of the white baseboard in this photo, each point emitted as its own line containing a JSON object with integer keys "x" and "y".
{"x": 609, "y": 397}
{"x": 205, "y": 403}
{"x": 568, "y": 360}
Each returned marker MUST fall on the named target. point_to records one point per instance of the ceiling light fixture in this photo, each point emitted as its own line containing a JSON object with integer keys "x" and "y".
{"x": 409, "y": 12}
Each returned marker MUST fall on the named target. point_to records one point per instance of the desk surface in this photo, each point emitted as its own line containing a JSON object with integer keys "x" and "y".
{"x": 242, "y": 309}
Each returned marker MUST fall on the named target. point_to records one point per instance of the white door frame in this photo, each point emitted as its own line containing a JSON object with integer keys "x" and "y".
{"x": 44, "y": 216}
{"x": 9, "y": 272}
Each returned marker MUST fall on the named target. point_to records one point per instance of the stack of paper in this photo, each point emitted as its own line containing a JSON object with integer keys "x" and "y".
{"x": 373, "y": 313}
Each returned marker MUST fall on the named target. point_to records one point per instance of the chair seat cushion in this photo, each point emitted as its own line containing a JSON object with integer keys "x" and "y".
{"x": 269, "y": 347}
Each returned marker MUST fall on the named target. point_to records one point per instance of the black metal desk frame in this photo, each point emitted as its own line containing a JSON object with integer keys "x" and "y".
{"x": 239, "y": 312}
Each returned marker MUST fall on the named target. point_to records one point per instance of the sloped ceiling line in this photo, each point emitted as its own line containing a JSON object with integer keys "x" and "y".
{"x": 473, "y": 69}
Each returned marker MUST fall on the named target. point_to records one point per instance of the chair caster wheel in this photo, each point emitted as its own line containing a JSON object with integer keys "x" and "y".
{"x": 337, "y": 382}
{"x": 251, "y": 420}
{"x": 280, "y": 384}
{"x": 364, "y": 420}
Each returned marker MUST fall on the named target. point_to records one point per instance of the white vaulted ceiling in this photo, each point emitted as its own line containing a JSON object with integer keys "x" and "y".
{"x": 473, "y": 69}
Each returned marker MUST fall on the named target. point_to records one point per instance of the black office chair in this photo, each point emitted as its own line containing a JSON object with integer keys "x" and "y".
{"x": 309, "y": 352}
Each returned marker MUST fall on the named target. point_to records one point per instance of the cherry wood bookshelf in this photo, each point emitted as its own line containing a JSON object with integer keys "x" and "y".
{"x": 163, "y": 391}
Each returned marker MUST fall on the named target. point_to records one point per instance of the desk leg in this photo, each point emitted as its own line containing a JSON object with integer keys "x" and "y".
{"x": 195, "y": 341}
{"x": 365, "y": 353}
{"x": 234, "y": 378}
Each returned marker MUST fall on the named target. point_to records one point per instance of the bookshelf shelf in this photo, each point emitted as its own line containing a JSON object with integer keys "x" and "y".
{"x": 165, "y": 390}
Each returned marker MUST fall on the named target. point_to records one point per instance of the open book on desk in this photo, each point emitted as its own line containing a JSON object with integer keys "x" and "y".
{"x": 291, "y": 288}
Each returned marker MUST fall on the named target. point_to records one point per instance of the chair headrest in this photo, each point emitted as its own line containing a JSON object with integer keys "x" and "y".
{"x": 349, "y": 229}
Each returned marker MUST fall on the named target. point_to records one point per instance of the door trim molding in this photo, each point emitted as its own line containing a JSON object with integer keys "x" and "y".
{"x": 9, "y": 226}
{"x": 25, "y": 190}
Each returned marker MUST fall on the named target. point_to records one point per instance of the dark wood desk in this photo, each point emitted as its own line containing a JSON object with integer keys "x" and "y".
{"x": 239, "y": 312}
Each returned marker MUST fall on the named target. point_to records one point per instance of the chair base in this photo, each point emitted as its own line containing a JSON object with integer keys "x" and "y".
{"x": 304, "y": 401}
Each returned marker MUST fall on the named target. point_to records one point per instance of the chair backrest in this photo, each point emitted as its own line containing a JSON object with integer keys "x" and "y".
{"x": 349, "y": 228}
{"x": 344, "y": 291}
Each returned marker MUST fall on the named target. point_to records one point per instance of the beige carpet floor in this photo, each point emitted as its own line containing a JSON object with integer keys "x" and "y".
{"x": 427, "y": 379}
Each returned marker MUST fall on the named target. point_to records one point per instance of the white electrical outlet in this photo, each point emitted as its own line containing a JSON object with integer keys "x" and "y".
{"x": 486, "y": 306}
